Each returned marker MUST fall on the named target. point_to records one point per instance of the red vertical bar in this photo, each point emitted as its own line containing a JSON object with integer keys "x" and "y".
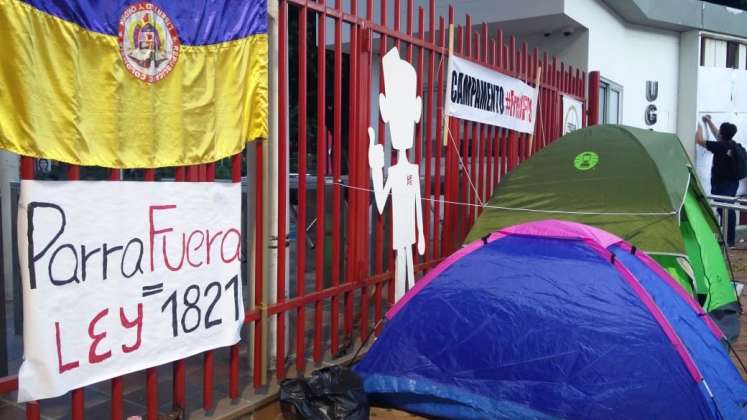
{"x": 151, "y": 389}
{"x": 489, "y": 161}
{"x": 32, "y": 407}
{"x": 512, "y": 150}
{"x": 192, "y": 172}
{"x": 438, "y": 250}
{"x": 449, "y": 175}
{"x": 483, "y": 149}
{"x": 233, "y": 379}
{"x": 449, "y": 172}
{"x": 513, "y": 67}
{"x": 462, "y": 157}
{"x": 361, "y": 161}
{"x": 78, "y": 395}
{"x": 525, "y": 75}
{"x": 178, "y": 374}
{"x": 555, "y": 98}
{"x": 301, "y": 221}
{"x": 379, "y": 219}
{"x": 419, "y": 139}
{"x": 352, "y": 194}
{"x": 593, "y": 105}
{"x": 258, "y": 272}
{"x": 396, "y": 22}
{"x": 512, "y": 64}
{"x": 582, "y": 89}
{"x": 427, "y": 205}
{"x": 549, "y": 98}
{"x": 458, "y": 128}
{"x": 494, "y": 130}
{"x": 27, "y": 167}
{"x": 501, "y": 61}
{"x": 78, "y": 404}
{"x": 282, "y": 184}
{"x": 408, "y": 28}
{"x": 321, "y": 165}
{"x": 421, "y": 57}
{"x": 117, "y": 411}
{"x": 558, "y": 108}
{"x": 361, "y": 244}
{"x": 73, "y": 172}
{"x": 470, "y": 151}
{"x": 538, "y": 86}
{"x": 208, "y": 360}
{"x": 474, "y": 154}
{"x": 117, "y": 404}
{"x": 336, "y": 172}
{"x": 484, "y": 160}
{"x": 545, "y": 98}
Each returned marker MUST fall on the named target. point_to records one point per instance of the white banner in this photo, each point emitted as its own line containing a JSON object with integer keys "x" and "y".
{"x": 477, "y": 93}
{"x": 122, "y": 276}
{"x": 572, "y": 113}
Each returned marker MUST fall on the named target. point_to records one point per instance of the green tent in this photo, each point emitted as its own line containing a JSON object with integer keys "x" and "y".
{"x": 637, "y": 184}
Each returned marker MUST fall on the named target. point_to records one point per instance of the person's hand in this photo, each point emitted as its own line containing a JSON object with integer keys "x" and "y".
{"x": 706, "y": 118}
{"x": 421, "y": 243}
{"x": 375, "y": 151}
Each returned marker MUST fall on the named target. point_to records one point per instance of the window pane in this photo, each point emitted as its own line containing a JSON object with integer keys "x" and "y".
{"x": 732, "y": 55}
{"x": 603, "y": 104}
{"x": 613, "y": 109}
{"x": 702, "y": 51}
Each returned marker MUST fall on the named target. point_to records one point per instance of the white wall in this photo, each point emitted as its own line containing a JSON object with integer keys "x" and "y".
{"x": 630, "y": 55}
{"x": 687, "y": 109}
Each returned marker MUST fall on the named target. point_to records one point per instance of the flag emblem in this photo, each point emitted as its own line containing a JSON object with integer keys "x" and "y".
{"x": 148, "y": 42}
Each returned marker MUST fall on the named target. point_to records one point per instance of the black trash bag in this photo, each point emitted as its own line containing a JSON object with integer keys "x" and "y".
{"x": 332, "y": 393}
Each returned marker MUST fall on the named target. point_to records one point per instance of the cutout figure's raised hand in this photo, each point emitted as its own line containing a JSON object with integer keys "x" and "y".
{"x": 421, "y": 243}
{"x": 375, "y": 151}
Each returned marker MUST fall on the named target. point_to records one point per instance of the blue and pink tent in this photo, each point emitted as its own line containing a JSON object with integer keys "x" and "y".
{"x": 552, "y": 320}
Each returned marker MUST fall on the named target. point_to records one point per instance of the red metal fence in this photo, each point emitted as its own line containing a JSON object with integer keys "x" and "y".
{"x": 332, "y": 250}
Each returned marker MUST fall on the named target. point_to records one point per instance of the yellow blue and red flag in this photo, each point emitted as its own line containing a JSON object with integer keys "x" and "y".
{"x": 132, "y": 84}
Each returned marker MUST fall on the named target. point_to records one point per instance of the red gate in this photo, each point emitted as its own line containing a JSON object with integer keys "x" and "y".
{"x": 334, "y": 276}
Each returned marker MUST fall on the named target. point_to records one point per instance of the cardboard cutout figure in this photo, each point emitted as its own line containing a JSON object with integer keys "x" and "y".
{"x": 400, "y": 108}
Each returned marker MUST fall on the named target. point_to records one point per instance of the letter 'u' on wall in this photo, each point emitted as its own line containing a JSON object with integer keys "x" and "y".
{"x": 119, "y": 277}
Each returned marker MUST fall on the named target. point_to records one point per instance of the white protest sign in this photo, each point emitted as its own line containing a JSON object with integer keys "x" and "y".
{"x": 122, "y": 276}
{"x": 572, "y": 111}
{"x": 477, "y": 93}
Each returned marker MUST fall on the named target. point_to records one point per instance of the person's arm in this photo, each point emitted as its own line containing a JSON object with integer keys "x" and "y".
{"x": 699, "y": 136}
{"x": 714, "y": 130}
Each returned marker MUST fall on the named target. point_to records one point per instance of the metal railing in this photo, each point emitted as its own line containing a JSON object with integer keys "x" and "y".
{"x": 721, "y": 204}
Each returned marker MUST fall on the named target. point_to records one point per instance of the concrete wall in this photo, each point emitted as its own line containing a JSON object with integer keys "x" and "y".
{"x": 9, "y": 165}
{"x": 572, "y": 50}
